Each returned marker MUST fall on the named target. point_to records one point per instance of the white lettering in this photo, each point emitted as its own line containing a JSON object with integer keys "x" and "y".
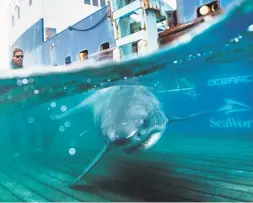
{"x": 250, "y": 123}
{"x": 230, "y": 80}
{"x": 225, "y": 81}
{"x": 230, "y": 123}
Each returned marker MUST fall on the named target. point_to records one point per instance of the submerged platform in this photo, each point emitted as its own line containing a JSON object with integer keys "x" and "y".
{"x": 183, "y": 169}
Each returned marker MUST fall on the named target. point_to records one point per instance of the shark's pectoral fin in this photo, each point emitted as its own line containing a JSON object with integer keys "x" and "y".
{"x": 92, "y": 164}
{"x": 175, "y": 119}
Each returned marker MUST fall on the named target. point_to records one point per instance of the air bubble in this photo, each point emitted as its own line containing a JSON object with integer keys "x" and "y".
{"x": 67, "y": 124}
{"x": 30, "y": 120}
{"x": 64, "y": 108}
{"x": 53, "y": 104}
{"x": 72, "y": 151}
{"x": 250, "y": 28}
{"x": 61, "y": 128}
{"x": 19, "y": 83}
{"x": 25, "y": 81}
{"x": 30, "y": 80}
{"x": 36, "y": 91}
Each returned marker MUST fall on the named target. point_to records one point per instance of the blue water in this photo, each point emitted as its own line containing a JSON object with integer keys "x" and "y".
{"x": 215, "y": 74}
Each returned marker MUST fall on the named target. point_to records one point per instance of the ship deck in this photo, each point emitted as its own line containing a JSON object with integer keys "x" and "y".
{"x": 185, "y": 170}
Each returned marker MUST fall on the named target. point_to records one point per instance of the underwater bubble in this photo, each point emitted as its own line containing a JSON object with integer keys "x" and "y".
{"x": 67, "y": 124}
{"x": 36, "y": 91}
{"x": 236, "y": 39}
{"x": 175, "y": 62}
{"x": 25, "y": 81}
{"x": 109, "y": 80}
{"x": 53, "y": 104}
{"x": 30, "y": 80}
{"x": 240, "y": 37}
{"x": 250, "y": 28}
{"x": 30, "y": 120}
{"x": 61, "y": 128}
{"x": 72, "y": 151}
{"x": 19, "y": 82}
{"x": 65, "y": 88}
{"x": 125, "y": 78}
{"x": 63, "y": 108}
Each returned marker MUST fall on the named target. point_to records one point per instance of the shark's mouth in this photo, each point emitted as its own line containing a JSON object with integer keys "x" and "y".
{"x": 144, "y": 144}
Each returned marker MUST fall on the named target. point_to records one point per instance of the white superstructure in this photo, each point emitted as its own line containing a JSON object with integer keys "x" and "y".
{"x": 57, "y": 14}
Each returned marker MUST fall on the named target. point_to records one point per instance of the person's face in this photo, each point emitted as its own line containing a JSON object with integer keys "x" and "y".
{"x": 83, "y": 56}
{"x": 18, "y": 58}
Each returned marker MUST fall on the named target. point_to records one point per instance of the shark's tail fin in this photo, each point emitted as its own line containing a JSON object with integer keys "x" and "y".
{"x": 92, "y": 164}
{"x": 175, "y": 119}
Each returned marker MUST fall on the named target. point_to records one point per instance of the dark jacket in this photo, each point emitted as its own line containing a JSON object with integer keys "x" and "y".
{"x": 14, "y": 66}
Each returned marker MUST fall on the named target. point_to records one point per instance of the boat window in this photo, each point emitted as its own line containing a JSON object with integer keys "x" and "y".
{"x": 30, "y": 2}
{"x": 87, "y": 2}
{"x": 95, "y": 2}
{"x": 135, "y": 27}
{"x": 129, "y": 1}
{"x": 104, "y": 46}
{"x": 135, "y": 47}
{"x": 102, "y": 3}
{"x": 83, "y": 55}
{"x": 67, "y": 60}
{"x": 171, "y": 18}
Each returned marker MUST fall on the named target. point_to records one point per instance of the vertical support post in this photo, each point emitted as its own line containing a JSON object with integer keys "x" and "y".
{"x": 151, "y": 30}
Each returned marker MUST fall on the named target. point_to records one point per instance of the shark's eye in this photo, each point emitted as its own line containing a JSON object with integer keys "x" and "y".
{"x": 145, "y": 123}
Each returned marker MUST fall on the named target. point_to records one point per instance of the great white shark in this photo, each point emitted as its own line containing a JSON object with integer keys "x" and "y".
{"x": 129, "y": 118}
